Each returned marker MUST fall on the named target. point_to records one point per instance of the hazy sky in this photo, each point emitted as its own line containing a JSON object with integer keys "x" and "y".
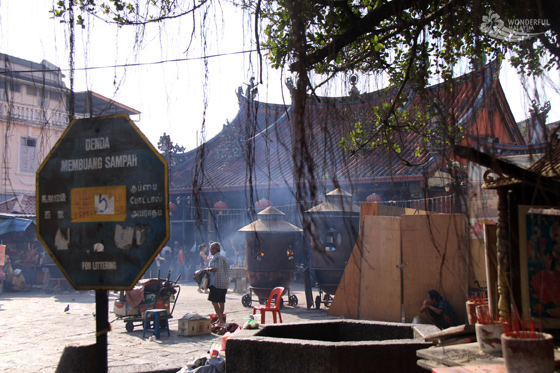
{"x": 172, "y": 95}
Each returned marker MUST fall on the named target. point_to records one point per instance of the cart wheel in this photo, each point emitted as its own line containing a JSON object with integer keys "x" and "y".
{"x": 292, "y": 300}
{"x": 318, "y": 301}
{"x": 58, "y": 289}
{"x": 246, "y": 300}
{"x": 48, "y": 291}
{"x": 129, "y": 326}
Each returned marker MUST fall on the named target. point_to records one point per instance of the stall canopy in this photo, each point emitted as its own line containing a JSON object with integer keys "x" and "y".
{"x": 14, "y": 225}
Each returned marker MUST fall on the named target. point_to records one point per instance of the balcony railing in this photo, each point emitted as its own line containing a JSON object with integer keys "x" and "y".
{"x": 34, "y": 115}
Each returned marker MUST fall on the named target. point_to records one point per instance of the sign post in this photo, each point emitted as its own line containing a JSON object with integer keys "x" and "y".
{"x": 102, "y": 207}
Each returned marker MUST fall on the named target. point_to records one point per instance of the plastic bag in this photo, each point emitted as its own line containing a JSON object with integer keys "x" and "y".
{"x": 204, "y": 283}
{"x": 202, "y": 278}
{"x": 251, "y": 324}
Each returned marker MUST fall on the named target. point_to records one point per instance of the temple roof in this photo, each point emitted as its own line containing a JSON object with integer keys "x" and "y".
{"x": 257, "y": 147}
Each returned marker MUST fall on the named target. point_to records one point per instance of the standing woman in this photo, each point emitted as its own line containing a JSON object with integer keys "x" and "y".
{"x": 203, "y": 258}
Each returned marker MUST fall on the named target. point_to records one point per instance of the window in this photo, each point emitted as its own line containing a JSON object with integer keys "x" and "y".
{"x": 31, "y": 90}
{"x": 14, "y": 87}
{"x": 28, "y": 155}
{"x": 55, "y": 96}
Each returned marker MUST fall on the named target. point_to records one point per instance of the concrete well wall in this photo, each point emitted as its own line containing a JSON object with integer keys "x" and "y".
{"x": 332, "y": 346}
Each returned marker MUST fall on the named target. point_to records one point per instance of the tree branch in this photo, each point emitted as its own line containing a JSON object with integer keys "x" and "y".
{"x": 369, "y": 24}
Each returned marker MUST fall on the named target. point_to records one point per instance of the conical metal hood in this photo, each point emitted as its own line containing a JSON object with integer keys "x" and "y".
{"x": 271, "y": 221}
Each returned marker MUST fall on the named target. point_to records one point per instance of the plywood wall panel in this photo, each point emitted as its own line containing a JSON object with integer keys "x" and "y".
{"x": 345, "y": 302}
{"x": 433, "y": 247}
{"x": 383, "y": 210}
{"x": 371, "y": 285}
{"x": 380, "y": 278}
{"x": 367, "y": 209}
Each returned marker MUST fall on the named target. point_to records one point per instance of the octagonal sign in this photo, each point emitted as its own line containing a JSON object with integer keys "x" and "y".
{"x": 102, "y": 203}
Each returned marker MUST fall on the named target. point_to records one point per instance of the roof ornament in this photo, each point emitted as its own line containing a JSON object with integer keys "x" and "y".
{"x": 539, "y": 113}
{"x": 354, "y": 91}
{"x": 537, "y": 131}
{"x": 252, "y": 89}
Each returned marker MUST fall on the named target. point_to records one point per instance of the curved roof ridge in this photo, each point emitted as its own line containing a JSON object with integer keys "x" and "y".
{"x": 243, "y": 100}
{"x": 490, "y": 72}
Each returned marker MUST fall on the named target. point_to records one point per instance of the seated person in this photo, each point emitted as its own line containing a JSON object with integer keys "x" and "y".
{"x": 436, "y": 311}
{"x": 18, "y": 282}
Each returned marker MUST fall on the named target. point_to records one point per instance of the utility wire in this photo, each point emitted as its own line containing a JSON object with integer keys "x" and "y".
{"x": 132, "y": 64}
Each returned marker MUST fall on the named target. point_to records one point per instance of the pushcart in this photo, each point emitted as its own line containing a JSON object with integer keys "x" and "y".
{"x": 146, "y": 294}
{"x": 328, "y": 296}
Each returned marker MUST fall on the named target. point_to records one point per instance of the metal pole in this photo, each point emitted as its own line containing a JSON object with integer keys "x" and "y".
{"x": 102, "y": 328}
{"x": 184, "y": 201}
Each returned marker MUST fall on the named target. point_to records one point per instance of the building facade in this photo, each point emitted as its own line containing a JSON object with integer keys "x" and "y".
{"x": 35, "y": 109}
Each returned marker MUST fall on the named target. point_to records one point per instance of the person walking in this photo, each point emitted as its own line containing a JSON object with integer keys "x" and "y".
{"x": 219, "y": 280}
{"x": 180, "y": 263}
{"x": 167, "y": 255}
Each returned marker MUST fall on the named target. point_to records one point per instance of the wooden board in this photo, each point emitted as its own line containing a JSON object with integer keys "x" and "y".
{"x": 383, "y": 210}
{"x": 488, "y": 368}
{"x": 491, "y": 251}
{"x": 380, "y": 278}
{"x": 459, "y": 355}
{"x": 453, "y": 332}
{"x": 434, "y": 252}
{"x": 367, "y": 209}
{"x": 345, "y": 301}
{"x": 477, "y": 262}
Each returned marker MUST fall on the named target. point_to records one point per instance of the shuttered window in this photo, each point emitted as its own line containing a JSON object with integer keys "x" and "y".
{"x": 28, "y": 155}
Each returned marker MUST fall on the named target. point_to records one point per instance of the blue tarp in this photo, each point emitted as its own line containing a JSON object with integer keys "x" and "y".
{"x": 14, "y": 225}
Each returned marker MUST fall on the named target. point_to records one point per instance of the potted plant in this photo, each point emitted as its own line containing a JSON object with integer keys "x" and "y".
{"x": 488, "y": 331}
{"x": 525, "y": 349}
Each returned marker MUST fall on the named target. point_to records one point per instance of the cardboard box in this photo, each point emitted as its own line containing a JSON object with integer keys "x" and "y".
{"x": 194, "y": 327}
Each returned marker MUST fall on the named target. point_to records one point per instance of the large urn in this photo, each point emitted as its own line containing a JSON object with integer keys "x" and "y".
{"x": 335, "y": 228}
{"x": 270, "y": 245}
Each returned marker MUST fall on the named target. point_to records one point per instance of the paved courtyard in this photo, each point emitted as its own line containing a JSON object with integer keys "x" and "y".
{"x": 35, "y": 328}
